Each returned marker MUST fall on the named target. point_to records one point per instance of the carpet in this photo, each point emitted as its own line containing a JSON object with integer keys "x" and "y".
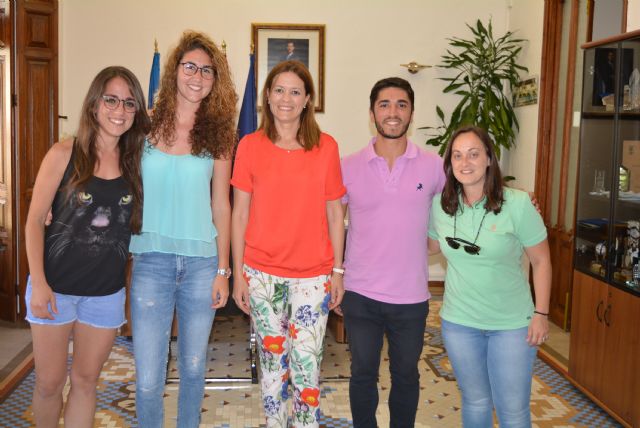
{"x": 229, "y": 404}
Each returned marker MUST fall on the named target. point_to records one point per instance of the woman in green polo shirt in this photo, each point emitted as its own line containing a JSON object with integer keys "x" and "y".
{"x": 490, "y": 326}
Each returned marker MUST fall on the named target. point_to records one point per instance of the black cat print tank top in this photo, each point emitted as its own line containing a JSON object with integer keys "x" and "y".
{"x": 86, "y": 245}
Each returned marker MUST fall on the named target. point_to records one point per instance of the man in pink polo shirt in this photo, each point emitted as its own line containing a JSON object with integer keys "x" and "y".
{"x": 390, "y": 184}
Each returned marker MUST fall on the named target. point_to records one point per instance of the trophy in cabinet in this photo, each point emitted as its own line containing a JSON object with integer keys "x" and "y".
{"x": 632, "y": 253}
{"x": 633, "y": 239}
{"x": 597, "y": 265}
{"x": 635, "y": 281}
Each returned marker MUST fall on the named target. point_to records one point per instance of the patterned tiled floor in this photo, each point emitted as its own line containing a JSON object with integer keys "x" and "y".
{"x": 555, "y": 403}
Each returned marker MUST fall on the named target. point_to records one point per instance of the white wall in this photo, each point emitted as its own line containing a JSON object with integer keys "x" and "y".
{"x": 633, "y": 15}
{"x": 365, "y": 40}
{"x": 526, "y": 21}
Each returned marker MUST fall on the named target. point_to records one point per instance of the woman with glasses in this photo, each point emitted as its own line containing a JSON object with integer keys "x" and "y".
{"x": 490, "y": 325}
{"x": 288, "y": 236}
{"x": 92, "y": 187}
{"x": 181, "y": 258}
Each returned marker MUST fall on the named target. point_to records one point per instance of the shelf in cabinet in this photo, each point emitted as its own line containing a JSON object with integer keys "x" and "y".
{"x": 605, "y": 198}
{"x": 631, "y": 202}
{"x": 624, "y": 287}
{"x": 617, "y": 284}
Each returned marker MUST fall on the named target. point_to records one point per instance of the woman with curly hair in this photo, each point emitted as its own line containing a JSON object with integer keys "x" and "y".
{"x": 288, "y": 236}
{"x": 92, "y": 189}
{"x": 181, "y": 258}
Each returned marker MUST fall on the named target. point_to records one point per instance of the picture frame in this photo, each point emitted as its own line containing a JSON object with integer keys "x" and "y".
{"x": 277, "y": 42}
{"x": 525, "y": 92}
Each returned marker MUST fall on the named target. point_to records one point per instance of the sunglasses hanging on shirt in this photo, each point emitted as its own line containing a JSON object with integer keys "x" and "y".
{"x": 469, "y": 247}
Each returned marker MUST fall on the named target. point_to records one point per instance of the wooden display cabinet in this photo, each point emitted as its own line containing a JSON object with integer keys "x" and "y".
{"x": 605, "y": 345}
{"x": 604, "y": 359}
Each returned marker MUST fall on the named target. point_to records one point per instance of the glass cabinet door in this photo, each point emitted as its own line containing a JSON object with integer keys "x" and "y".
{"x": 596, "y": 175}
{"x": 626, "y": 234}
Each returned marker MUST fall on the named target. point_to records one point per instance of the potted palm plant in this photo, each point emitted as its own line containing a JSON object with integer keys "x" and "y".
{"x": 484, "y": 66}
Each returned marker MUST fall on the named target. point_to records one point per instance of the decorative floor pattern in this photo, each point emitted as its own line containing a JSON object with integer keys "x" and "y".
{"x": 228, "y": 358}
{"x": 555, "y": 402}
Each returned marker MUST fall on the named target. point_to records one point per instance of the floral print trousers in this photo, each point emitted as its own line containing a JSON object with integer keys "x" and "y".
{"x": 289, "y": 316}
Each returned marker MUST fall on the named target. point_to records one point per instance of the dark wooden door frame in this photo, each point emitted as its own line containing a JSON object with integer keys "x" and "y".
{"x": 568, "y": 114}
{"x": 560, "y": 240}
{"x": 548, "y": 104}
{"x": 35, "y": 112}
{"x": 8, "y": 304}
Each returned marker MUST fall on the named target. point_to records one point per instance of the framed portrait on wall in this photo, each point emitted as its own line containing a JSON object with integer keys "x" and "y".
{"x": 274, "y": 43}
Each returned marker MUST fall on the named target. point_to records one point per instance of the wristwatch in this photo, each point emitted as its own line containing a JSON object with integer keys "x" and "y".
{"x": 338, "y": 270}
{"x": 226, "y": 272}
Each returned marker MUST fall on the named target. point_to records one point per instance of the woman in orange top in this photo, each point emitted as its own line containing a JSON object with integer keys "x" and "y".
{"x": 287, "y": 240}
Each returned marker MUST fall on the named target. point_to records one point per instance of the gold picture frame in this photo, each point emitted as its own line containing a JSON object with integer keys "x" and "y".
{"x": 277, "y": 42}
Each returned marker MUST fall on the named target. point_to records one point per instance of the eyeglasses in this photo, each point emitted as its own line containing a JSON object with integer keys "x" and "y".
{"x": 190, "y": 69}
{"x": 469, "y": 247}
{"x": 112, "y": 103}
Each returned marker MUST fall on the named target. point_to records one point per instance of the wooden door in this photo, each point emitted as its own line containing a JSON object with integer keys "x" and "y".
{"x": 587, "y": 331}
{"x": 621, "y": 353}
{"x": 561, "y": 247}
{"x": 8, "y": 304}
{"x": 36, "y": 112}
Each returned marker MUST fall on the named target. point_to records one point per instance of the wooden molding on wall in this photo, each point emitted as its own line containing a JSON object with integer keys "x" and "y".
{"x": 590, "y": 6}
{"x": 547, "y": 109}
{"x": 568, "y": 113}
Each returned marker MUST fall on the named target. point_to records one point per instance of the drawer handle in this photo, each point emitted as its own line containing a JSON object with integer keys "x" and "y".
{"x": 607, "y": 321}
{"x": 598, "y": 311}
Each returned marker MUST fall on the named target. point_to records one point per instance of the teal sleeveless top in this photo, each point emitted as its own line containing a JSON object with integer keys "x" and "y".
{"x": 176, "y": 215}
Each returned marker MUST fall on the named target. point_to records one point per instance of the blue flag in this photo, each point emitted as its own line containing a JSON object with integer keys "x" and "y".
{"x": 248, "y": 120}
{"x": 154, "y": 78}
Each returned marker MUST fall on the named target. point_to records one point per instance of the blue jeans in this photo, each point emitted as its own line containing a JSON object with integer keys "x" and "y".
{"x": 493, "y": 368}
{"x": 160, "y": 283}
{"x": 367, "y": 321}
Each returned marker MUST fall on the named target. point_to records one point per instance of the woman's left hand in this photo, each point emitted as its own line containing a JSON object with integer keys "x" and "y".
{"x": 538, "y": 330}
{"x": 337, "y": 290}
{"x": 220, "y": 292}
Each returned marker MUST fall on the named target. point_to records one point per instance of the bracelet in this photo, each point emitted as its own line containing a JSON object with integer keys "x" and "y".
{"x": 541, "y": 313}
{"x": 338, "y": 270}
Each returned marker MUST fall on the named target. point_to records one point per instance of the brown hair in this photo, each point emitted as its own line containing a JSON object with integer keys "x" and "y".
{"x": 130, "y": 143}
{"x": 309, "y": 131}
{"x": 493, "y": 185}
{"x": 214, "y": 131}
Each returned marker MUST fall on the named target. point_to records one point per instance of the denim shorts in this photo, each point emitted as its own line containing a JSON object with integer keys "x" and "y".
{"x": 96, "y": 311}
